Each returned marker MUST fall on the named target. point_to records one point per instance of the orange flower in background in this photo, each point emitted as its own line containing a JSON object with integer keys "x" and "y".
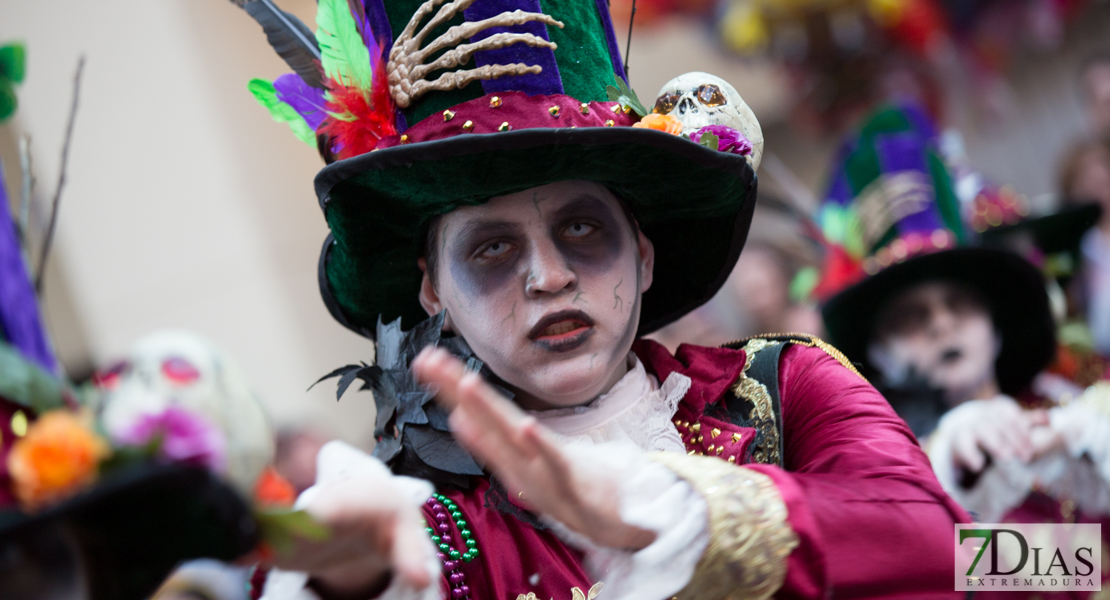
{"x": 274, "y": 490}
{"x": 57, "y": 458}
{"x": 665, "y": 123}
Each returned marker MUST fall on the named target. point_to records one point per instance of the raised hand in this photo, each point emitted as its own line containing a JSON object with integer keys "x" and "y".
{"x": 376, "y": 531}
{"x": 523, "y": 454}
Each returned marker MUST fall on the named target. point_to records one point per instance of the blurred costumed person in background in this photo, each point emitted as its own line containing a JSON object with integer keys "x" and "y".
{"x": 760, "y": 294}
{"x": 1085, "y": 179}
{"x": 957, "y": 334}
{"x": 85, "y": 514}
{"x": 1094, "y": 82}
{"x": 532, "y": 218}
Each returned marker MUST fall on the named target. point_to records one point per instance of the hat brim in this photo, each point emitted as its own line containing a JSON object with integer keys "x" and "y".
{"x": 1058, "y": 232}
{"x": 693, "y": 203}
{"x": 134, "y": 527}
{"x": 1013, "y": 287}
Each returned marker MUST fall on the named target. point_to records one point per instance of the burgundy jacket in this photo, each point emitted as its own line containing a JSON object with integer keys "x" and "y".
{"x": 870, "y": 518}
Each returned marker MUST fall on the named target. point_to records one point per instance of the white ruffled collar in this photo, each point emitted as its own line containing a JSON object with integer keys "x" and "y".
{"x": 636, "y": 409}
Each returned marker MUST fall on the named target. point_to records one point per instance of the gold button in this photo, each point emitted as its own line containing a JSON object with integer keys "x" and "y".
{"x": 710, "y": 448}
{"x": 448, "y": 115}
{"x": 584, "y": 108}
{"x": 696, "y": 427}
{"x": 404, "y": 138}
{"x": 495, "y": 102}
{"x": 732, "y": 459}
{"x": 468, "y": 126}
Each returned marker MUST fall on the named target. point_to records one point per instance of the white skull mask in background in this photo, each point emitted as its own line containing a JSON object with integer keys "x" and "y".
{"x": 698, "y": 99}
{"x": 173, "y": 368}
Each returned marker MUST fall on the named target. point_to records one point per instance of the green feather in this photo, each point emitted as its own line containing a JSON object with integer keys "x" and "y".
{"x": 281, "y": 112}
{"x": 342, "y": 51}
{"x": 12, "y": 62}
{"x": 25, "y": 383}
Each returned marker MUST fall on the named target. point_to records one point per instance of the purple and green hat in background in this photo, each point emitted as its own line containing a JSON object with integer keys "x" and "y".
{"x": 892, "y": 219}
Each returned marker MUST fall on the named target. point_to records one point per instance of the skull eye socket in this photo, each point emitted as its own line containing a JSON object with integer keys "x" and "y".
{"x": 666, "y": 103}
{"x": 179, "y": 371}
{"x": 109, "y": 378}
{"x": 711, "y": 95}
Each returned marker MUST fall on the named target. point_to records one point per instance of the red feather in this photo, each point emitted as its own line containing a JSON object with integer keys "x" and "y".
{"x": 356, "y": 122}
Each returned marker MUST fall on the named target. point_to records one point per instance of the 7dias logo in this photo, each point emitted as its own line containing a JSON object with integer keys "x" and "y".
{"x": 1029, "y": 556}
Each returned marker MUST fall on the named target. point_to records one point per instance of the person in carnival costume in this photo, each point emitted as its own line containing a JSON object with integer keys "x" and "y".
{"x": 494, "y": 182}
{"x": 958, "y": 332}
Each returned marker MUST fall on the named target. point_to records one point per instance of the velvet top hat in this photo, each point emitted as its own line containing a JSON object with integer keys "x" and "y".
{"x": 422, "y": 107}
{"x": 892, "y": 219}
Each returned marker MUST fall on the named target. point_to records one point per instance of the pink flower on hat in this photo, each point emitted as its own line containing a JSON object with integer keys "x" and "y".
{"x": 729, "y": 139}
{"x": 181, "y": 436}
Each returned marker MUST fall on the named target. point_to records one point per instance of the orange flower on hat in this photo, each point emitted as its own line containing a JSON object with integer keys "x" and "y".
{"x": 274, "y": 490}
{"x": 665, "y": 123}
{"x": 57, "y": 458}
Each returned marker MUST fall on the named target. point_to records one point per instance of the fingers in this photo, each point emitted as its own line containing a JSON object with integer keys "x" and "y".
{"x": 966, "y": 452}
{"x": 410, "y": 551}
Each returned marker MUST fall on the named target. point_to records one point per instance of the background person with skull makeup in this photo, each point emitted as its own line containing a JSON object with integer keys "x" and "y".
{"x": 957, "y": 335}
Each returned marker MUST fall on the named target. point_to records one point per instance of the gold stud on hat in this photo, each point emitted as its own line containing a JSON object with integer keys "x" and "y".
{"x": 554, "y": 110}
{"x": 448, "y": 115}
{"x": 495, "y": 101}
{"x": 584, "y": 108}
{"x": 468, "y": 126}
{"x": 504, "y": 126}
{"x": 404, "y": 138}
{"x": 609, "y": 123}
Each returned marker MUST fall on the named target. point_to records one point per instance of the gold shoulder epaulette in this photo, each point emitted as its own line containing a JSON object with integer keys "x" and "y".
{"x": 801, "y": 339}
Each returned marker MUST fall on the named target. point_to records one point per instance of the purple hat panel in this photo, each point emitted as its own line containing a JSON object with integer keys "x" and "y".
{"x": 909, "y": 194}
{"x": 545, "y": 83}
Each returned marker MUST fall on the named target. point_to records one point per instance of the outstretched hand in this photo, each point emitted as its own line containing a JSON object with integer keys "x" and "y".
{"x": 524, "y": 455}
{"x": 376, "y": 533}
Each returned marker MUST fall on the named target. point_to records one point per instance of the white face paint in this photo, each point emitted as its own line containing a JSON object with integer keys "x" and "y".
{"x": 172, "y": 368}
{"x": 698, "y": 99}
{"x": 941, "y": 332}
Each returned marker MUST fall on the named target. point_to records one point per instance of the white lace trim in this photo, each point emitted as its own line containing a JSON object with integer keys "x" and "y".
{"x": 636, "y": 410}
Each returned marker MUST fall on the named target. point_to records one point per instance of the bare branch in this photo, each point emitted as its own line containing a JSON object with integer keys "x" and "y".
{"x": 49, "y": 240}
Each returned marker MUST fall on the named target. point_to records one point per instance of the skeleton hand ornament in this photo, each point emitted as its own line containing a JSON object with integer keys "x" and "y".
{"x": 698, "y": 99}
{"x": 406, "y": 69}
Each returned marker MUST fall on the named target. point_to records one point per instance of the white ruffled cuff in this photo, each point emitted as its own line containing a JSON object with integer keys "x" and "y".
{"x": 653, "y": 498}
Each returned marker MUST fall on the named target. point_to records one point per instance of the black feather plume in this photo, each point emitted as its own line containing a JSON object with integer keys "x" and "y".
{"x": 412, "y": 431}
{"x": 290, "y": 37}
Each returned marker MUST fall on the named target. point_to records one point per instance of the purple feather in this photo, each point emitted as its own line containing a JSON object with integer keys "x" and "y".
{"x": 19, "y": 309}
{"x": 305, "y": 99}
{"x": 358, "y": 11}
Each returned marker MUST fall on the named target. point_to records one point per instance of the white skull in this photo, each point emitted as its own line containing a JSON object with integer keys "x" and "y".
{"x": 698, "y": 99}
{"x": 182, "y": 369}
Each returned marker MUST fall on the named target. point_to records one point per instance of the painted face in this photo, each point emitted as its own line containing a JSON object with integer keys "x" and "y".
{"x": 545, "y": 286}
{"x": 942, "y": 332}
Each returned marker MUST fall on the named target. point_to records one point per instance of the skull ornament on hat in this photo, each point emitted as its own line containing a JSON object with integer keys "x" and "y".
{"x": 699, "y": 99}
{"x": 173, "y": 368}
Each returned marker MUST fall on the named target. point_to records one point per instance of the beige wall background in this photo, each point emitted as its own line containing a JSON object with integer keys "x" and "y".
{"x": 186, "y": 206}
